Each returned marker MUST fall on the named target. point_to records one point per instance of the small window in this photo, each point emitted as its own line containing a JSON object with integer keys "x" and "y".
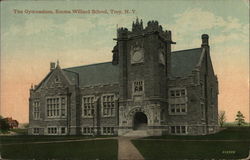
{"x": 178, "y": 130}
{"x": 183, "y": 129}
{"x": 138, "y": 86}
{"x": 183, "y": 92}
{"x": 108, "y": 130}
{"x": 172, "y": 93}
{"x": 35, "y": 130}
{"x": 177, "y": 93}
{"x": 63, "y": 130}
{"x": 172, "y": 129}
{"x": 178, "y": 110}
{"x": 57, "y": 79}
{"x": 52, "y": 130}
{"x": 87, "y": 130}
{"x": 173, "y": 110}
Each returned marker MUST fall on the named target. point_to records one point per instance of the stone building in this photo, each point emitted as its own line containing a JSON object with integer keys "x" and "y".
{"x": 146, "y": 87}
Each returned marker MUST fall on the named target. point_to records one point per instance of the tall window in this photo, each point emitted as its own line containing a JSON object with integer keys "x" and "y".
{"x": 212, "y": 108}
{"x": 202, "y": 111}
{"x": 177, "y": 101}
{"x": 202, "y": 88}
{"x": 88, "y": 106}
{"x": 56, "y": 107}
{"x": 63, "y": 106}
{"x": 138, "y": 86}
{"x": 108, "y": 104}
{"x": 36, "y": 109}
{"x": 212, "y": 95}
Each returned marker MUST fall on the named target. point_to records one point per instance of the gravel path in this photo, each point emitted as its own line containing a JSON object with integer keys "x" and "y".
{"x": 127, "y": 151}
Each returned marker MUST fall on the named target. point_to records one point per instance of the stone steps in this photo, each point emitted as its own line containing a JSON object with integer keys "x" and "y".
{"x": 136, "y": 133}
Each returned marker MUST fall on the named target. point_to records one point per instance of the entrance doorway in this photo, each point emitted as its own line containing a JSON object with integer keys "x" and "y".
{"x": 140, "y": 121}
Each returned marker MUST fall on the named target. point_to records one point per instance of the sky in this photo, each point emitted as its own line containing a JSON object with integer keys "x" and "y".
{"x": 30, "y": 41}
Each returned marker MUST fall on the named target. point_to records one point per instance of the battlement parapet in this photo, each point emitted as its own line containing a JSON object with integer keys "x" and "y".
{"x": 122, "y": 32}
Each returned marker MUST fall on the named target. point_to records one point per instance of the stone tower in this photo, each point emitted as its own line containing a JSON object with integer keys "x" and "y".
{"x": 144, "y": 62}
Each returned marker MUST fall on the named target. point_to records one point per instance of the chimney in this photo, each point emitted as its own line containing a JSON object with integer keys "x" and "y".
{"x": 52, "y": 65}
{"x": 205, "y": 41}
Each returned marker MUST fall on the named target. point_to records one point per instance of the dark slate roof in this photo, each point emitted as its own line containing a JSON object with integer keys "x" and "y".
{"x": 182, "y": 64}
{"x": 72, "y": 76}
{"x": 184, "y": 61}
{"x": 100, "y": 73}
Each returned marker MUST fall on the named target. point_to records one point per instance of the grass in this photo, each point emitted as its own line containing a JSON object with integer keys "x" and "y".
{"x": 20, "y": 131}
{"x": 197, "y": 147}
{"x": 93, "y": 149}
{"x": 227, "y": 134}
{"x": 30, "y": 138}
{"x": 234, "y": 124}
{"x": 163, "y": 147}
{"x": 162, "y": 150}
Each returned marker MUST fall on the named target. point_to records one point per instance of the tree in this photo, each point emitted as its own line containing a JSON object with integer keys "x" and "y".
{"x": 222, "y": 118}
{"x": 4, "y": 126}
{"x": 240, "y": 119}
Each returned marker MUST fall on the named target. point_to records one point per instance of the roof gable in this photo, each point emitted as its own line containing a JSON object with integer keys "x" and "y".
{"x": 55, "y": 78}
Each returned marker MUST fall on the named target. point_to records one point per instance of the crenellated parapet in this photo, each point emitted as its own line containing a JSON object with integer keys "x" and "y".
{"x": 122, "y": 32}
{"x": 152, "y": 27}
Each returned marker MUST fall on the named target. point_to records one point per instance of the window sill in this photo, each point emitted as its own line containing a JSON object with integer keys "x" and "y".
{"x": 177, "y": 114}
{"x": 178, "y": 134}
{"x": 108, "y": 116}
{"x": 87, "y": 117}
{"x": 37, "y": 119}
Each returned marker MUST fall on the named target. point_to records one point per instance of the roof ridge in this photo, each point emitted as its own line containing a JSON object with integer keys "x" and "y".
{"x": 87, "y": 65}
{"x": 186, "y": 49}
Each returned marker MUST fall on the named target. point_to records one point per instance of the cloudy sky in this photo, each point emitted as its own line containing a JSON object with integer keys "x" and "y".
{"x": 30, "y": 41}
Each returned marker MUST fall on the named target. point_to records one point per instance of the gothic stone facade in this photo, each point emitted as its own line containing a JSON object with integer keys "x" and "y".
{"x": 146, "y": 86}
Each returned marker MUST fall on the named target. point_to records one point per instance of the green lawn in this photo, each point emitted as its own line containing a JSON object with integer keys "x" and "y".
{"x": 93, "y": 149}
{"x": 30, "y": 138}
{"x": 228, "y": 133}
{"x": 197, "y": 147}
{"x": 160, "y": 150}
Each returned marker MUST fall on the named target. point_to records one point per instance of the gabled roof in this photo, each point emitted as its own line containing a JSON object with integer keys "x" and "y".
{"x": 184, "y": 61}
{"x": 182, "y": 64}
{"x": 100, "y": 73}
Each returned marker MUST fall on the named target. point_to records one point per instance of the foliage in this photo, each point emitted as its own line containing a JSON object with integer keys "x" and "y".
{"x": 4, "y": 126}
{"x": 26, "y": 125}
{"x": 240, "y": 119}
{"x": 222, "y": 118}
{"x": 20, "y": 131}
